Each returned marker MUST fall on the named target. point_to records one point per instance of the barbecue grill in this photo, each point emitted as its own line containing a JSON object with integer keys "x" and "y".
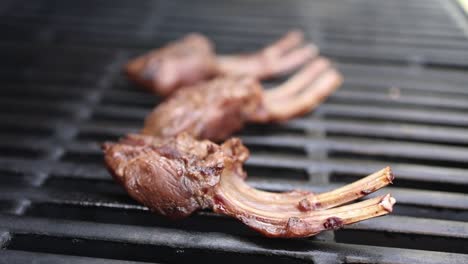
{"x": 403, "y": 104}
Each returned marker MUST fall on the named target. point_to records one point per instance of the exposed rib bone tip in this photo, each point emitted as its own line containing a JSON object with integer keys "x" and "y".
{"x": 387, "y": 203}
{"x": 390, "y": 175}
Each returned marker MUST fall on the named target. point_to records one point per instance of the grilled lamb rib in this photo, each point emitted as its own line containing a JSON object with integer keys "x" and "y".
{"x": 215, "y": 109}
{"x": 177, "y": 176}
{"x": 192, "y": 58}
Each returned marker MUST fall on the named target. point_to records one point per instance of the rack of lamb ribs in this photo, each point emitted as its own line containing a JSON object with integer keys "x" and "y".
{"x": 174, "y": 169}
{"x": 176, "y": 176}
{"x": 191, "y": 59}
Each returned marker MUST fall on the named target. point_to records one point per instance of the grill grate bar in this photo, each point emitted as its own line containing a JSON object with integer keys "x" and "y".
{"x": 357, "y": 168}
{"x": 86, "y": 192}
{"x": 438, "y": 117}
{"x": 410, "y": 151}
{"x": 412, "y": 225}
{"x": 355, "y": 97}
{"x": 385, "y": 130}
{"x": 18, "y": 256}
{"x": 427, "y": 55}
{"x": 213, "y": 241}
{"x": 365, "y": 147}
{"x": 216, "y": 242}
{"x": 335, "y": 34}
{"x": 403, "y": 114}
{"x": 213, "y": 9}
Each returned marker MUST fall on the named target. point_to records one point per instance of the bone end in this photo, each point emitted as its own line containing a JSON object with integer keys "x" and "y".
{"x": 387, "y": 203}
{"x": 389, "y": 174}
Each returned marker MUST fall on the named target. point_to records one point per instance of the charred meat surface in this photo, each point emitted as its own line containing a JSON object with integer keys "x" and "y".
{"x": 171, "y": 176}
{"x": 179, "y": 175}
{"x": 217, "y": 108}
{"x": 192, "y": 58}
{"x": 211, "y": 110}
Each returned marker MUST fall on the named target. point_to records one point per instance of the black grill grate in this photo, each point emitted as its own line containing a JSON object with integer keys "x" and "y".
{"x": 403, "y": 104}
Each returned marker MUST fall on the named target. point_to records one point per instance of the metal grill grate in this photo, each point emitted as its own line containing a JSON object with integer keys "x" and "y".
{"x": 403, "y": 104}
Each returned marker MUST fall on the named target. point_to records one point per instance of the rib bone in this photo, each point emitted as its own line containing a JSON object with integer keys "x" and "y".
{"x": 300, "y": 201}
{"x": 280, "y": 57}
{"x": 307, "y": 99}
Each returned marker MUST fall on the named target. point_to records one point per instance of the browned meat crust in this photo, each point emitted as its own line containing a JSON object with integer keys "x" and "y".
{"x": 212, "y": 110}
{"x": 179, "y": 63}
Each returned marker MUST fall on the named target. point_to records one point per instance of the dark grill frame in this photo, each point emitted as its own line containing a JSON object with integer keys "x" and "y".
{"x": 403, "y": 104}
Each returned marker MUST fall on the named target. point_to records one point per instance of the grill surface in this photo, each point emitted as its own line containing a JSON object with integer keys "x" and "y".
{"x": 403, "y": 104}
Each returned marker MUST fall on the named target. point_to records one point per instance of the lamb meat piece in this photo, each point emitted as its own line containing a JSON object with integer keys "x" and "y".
{"x": 211, "y": 110}
{"x": 215, "y": 109}
{"x": 191, "y": 59}
{"x": 179, "y": 63}
{"x": 171, "y": 176}
{"x": 177, "y": 176}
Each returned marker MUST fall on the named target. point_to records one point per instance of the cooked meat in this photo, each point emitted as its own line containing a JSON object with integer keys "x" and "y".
{"x": 180, "y": 63}
{"x": 179, "y": 175}
{"x": 215, "y": 109}
{"x": 188, "y": 60}
{"x": 211, "y": 110}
